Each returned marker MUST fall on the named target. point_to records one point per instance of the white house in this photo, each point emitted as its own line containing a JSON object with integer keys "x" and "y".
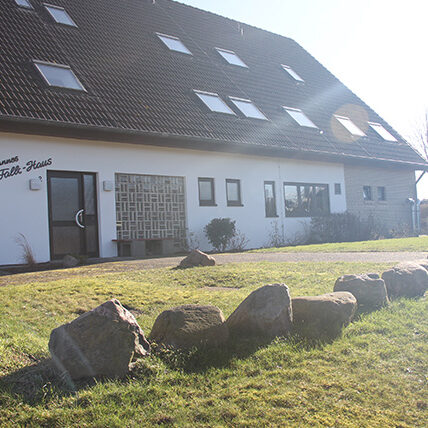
{"x": 127, "y": 126}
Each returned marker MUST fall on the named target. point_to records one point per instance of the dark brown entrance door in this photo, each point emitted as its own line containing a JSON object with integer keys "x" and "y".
{"x": 73, "y": 219}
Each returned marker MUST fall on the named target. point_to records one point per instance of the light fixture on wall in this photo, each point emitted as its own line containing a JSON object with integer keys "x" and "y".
{"x": 108, "y": 186}
{"x": 35, "y": 183}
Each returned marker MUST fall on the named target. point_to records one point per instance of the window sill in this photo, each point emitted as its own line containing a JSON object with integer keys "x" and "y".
{"x": 272, "y": 216}
{"x": 235, "y": 205}
{"x": 207, "y": 205}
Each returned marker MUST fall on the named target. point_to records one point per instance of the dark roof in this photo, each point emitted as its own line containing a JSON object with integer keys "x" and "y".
{"x": 136, "y": 84}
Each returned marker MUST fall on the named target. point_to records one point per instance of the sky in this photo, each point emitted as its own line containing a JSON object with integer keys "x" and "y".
{"x": 378, "y": 48}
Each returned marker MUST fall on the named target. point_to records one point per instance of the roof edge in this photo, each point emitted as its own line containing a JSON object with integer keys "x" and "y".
{"x": 41, "y": 127}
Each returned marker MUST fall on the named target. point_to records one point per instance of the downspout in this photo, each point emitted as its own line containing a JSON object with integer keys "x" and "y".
{"x": 413, "y": 205}
{"x": 418, "y": 216}
{"x": 418, "y": 205}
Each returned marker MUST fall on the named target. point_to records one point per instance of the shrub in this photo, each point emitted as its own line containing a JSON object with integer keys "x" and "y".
{"x": 219, "y": 232}
{"x": 26, "y": 250}
{"x": 238, "y": 242}
{"x": 344, "y": 227}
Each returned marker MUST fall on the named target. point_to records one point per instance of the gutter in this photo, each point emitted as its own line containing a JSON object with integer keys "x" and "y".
{"x": 31, "y": 126}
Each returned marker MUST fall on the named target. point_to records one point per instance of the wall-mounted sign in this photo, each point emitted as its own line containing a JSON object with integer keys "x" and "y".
{"x": 17, "y": 168}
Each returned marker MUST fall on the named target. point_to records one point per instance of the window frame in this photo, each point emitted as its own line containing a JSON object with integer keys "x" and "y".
{"x": 302, "y": 185}
{"x": 298, "y": 110}
{"x": 367, "y": 197}
{"x": 187, "y": 51}
{"x": 275, "y": 211}
{"x": 52, "y": 6}
{"x": 373, "y": 126}
{"x": 211, "y": 202}
{"x": 338, "y": 117}
{"x": 63, "y": 66}
{"x": 28, "y": 6}
{"x": 198, "y": 93}
{"x": 232, "y": 203}
{"x": 337, "y": 188}
{"x": 382, "y": 193}
{"x": 243, "y": 100}
{"x": 219, "y": 50}
{"x": 292, "y": 73}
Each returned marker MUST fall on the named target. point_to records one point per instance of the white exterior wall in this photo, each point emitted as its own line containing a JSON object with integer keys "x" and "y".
{"x": 26, "y": 211}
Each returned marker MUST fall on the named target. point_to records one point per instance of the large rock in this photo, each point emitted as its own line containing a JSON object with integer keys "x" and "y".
{"x": 101, "y": 342}
{"x": 190, "y": 325}
{"x": 69, "y": 261}
{"x": 319, "y": 317}
{"x": 369, "y": 290}
{"x": 197, "y": 258}
{"x": 265, "y": 312}
{"x": 408, "y": 279}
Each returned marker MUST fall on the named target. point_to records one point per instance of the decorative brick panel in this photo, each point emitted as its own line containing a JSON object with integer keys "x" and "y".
{"x": 151, "y": 207}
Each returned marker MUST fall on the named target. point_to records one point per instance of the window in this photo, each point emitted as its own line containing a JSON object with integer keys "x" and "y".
{"x": 337, "y": 189}
{"x": 231, "y": 57}
{"x": 350, "y": 126}
{"x": 270, "y": 200}
{"x": 24, "y": 3}
{"x": 292, "y": 73}
{"x": 306, "y": 200}
{"x": 248, "y": 109}
{"x": 214, "y": 102}
{"x": 60, "y": 15}
{"x": 381, "y": 193}
{"x": 206, "y": 192}
{"x": 59, "y": 75}
{"x": 367, "y": 193}
{"x": 174, "y": 43}
{"x": 300, "y": 117}
{"x": 233, "y": 193}
{"x": 382, "y": 131}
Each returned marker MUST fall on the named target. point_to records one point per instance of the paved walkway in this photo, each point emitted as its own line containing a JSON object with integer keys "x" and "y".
{"x": 378, "y": 257}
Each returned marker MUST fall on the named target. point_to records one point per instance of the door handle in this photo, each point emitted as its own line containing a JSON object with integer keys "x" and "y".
{"x": 76, "y": 218}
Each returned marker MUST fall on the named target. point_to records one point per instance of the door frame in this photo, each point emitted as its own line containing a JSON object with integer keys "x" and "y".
{"x": 70, "y": 174}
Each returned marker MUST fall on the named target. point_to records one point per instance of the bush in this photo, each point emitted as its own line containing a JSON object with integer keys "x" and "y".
{"x": 344, "y": 227}
{"x": 219, "y": 232}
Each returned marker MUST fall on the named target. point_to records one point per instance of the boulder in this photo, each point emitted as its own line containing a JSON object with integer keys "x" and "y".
{"x": 190, "y": 325}
{"x": 423, "y": 263}
{"x": 101, "y": 342}
{"x": 368, "y": 289}
{"x": 69, "y": 261}
{"x": 197, "y": 258}
{"x": 265, "y": 312}
{"x": 320, "y": 317}
{"x": 408, "y": 279}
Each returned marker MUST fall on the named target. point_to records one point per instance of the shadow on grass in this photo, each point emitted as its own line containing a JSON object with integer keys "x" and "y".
{"x": 41, "y": 382}
{"x": 198, "y": 360}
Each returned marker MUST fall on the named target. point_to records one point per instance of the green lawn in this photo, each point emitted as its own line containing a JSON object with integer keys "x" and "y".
{"x": 401, "y": 244}
{"x": 372, "y": 376}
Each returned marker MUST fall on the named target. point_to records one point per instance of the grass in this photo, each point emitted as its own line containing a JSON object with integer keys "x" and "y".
{"x": 395, "y": 245}
{"x": 372, "y": 376}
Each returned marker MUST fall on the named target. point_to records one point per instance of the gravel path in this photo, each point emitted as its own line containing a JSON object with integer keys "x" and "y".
{"x": 126, "y": 265}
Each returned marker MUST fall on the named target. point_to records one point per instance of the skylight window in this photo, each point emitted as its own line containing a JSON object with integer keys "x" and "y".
{"x": 292, "y": 73}
{"x": 382, "y": 131}
{"x": 214, "y": 102}
{"x": 300, "y": 117}
{"x": 59, "y": 75}
{"x": 350, "y": 126}
{"x": 231, "y": 57}
{"x": 24, "y": 3}
{"x": 248, "y": 109}
{"x": 60, "y": 15}
{"x": 174, "y": 43}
